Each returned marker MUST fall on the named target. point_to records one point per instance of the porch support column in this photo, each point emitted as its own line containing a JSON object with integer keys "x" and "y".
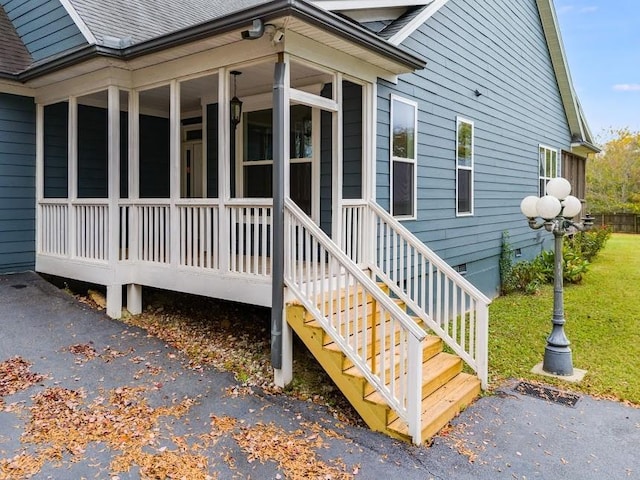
{"x": 370, "y": 121}
{"x": 39, "y": 176}
{"x": 224, "y": 169}
{"x": 134, "y": 291}
{"x": 114, "y": 290}
{"x": 281, "y": 335}
{"x": 174, "y": 173}
{"x": 72, "y": 172}
{"x": 336, "y": 187}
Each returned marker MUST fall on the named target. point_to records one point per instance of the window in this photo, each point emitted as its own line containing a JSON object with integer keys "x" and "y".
{"x": 404, "y": 120}
{"x": 464, "y": 167}
{"x": 257, "y": 158}
{"x": 548, "y": 165}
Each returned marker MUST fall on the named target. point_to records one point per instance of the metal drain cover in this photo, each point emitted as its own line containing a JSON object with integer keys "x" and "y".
{"x": 546, "y": 393}
{"x": 18, "y": 286}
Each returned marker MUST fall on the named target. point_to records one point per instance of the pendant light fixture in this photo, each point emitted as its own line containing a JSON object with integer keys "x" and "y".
{"x": 236, "y": 104}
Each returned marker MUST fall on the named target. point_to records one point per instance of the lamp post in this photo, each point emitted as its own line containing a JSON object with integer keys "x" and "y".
{"x": 556, "y": 210}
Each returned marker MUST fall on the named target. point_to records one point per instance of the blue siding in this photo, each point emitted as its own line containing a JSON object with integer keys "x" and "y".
{"x": 17, "y": 183}
{"x": 93, "y": 152}
{"x": 154, "y": 157}
{"x": 56, "y": 150}
{"x": 212, "y": 150}
{"x": 498, "y": 48}
{"x": 44, "y": 26}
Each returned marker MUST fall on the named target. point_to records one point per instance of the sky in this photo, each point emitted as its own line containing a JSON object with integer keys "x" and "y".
{"x": 602, "y": 45}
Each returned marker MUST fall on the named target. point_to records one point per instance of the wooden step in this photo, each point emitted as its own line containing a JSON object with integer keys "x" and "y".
{"x": 436, "y": 372}
{"x": 442, "y": 406}
{"x": 431, "y": 347}
{"x": 445, "y": 389}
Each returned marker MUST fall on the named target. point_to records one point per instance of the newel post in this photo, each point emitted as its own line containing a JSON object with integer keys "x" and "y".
{"x": 414, "y": 389}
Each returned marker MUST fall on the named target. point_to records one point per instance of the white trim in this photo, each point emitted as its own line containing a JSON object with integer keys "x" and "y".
{"x": 16, "y": 89}
{"x": 413, "y": 161}
{"x": 301, "y": 97}
{"x": 471, "y": 169}
{"x": 342, "y": 5}
{"x": 77, "y": 19}
{"x": 307, "y": 50}
{"x": 548, "y": 177}
{"x": 414, "y": 24}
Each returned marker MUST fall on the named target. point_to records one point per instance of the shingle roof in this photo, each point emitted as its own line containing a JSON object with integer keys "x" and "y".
{"x": 14, "y": 56}
{"x": 398, "y": 24}
{"x": 146, "y": 19}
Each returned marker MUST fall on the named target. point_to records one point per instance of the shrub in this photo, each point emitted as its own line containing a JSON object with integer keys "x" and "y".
{"x": 527, "y": 276}
{"x": 588, "y": 244}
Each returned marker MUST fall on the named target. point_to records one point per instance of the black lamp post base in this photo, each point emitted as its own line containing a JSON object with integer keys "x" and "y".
{"x": 558, "y": 361}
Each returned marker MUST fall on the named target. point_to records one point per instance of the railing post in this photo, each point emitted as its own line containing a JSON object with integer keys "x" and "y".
{"x": 414, "y": 389}
{"x": 482, "y": 340}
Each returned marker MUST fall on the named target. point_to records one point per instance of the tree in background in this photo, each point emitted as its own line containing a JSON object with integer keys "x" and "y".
{"x": 613, "y": 176}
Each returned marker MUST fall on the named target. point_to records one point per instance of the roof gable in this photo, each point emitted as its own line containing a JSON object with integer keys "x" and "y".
{"x": 583, "y": 140}
{"x": 148, "y": 19}
{"x": 14, "y": 56}
{"x": 44, "y": 26}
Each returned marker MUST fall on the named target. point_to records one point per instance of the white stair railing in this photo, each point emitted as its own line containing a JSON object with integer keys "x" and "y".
{"x": 448, "y": 303}
{"x": 377, "y": 336}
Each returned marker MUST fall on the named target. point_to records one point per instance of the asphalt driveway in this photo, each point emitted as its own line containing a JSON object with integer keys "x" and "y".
{"x": 88, "y": 397}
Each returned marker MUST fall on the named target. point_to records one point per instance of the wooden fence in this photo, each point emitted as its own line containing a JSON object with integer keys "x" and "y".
{"x": 619, "y": 222}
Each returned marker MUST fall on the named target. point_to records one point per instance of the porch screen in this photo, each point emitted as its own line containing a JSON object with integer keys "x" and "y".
{"x": 258, "y": 155}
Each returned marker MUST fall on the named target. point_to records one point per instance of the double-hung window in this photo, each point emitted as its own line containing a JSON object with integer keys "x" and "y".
{"x": 464, "y": 166}
{"x": 549, "y": 166}
{"x": 404, "y": 129}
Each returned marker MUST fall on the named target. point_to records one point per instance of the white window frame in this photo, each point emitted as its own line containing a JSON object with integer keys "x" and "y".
{"x": 413, "y": 161}
{"x": 547, "y": 175}
{"x": 459, "y": 167}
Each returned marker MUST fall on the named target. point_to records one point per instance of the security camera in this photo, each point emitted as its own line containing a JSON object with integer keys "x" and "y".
{"x": 278, "y": 36}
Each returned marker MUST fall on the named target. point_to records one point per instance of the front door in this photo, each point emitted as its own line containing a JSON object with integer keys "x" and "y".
{"x": 191, "y": 171}
{"x": 256, "y": 157}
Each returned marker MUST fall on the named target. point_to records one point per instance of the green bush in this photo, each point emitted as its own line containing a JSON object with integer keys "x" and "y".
{"x": 588, "y": 244}
{"x": 527, "y": 276}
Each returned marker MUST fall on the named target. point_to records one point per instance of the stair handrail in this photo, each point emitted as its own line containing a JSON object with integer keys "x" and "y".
{"x": 412, "y": 412}
{"x": 479, "y": 361}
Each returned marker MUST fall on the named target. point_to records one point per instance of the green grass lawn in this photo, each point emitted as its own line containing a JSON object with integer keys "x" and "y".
{"x": 603, "y": 325}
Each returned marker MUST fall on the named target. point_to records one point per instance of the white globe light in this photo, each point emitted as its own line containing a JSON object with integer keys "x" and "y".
{"x": 528, "y": 206}
{"x": 548, "y": 207}
{"x": 559, "y": 187}
{"x": 572, "y": 206}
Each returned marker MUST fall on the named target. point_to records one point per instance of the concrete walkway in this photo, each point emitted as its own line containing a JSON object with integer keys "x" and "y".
{"x": 249, "y": 435}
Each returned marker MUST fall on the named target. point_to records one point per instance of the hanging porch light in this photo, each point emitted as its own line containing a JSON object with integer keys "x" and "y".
{"x": 235, "y": 103}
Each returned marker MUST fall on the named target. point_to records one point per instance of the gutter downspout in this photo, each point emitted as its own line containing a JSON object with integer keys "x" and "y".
{"x": 277, "y": 253}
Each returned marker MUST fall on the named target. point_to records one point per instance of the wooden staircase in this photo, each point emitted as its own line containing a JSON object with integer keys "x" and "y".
{"x": 446, "y": 390}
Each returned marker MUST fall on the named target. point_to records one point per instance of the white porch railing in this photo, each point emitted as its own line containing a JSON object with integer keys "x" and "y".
{"x": 145, "y": 230}
{"x": 89, "y": 237}
{"x": 448, "y": 304}
{"x": 199, "y": 235}
{"x": 250, "y": 236}
{"x": 321, "y": 275}
{"x": 146, "y": 233}
{"x": 54, "y": 227}
{"x": 92, "y": 230}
